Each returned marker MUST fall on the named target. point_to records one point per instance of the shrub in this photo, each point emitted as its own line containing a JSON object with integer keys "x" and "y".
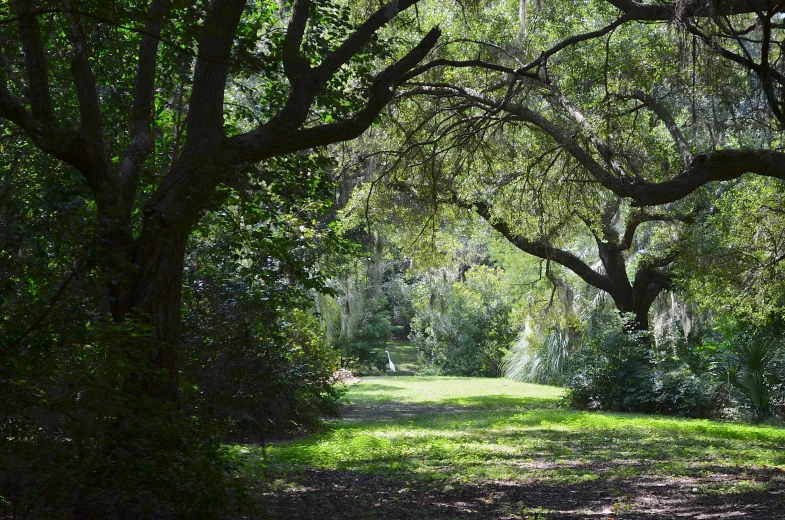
{"x": 750, "y": 366}
{"x": 622, "y": 370}
{"x": 679, "y": 391}
{"x": 80, "y": 441}
{"x": 537, "y": 360}
{"x": 254, "y": 355}
{"x": 464, "y": 329}
{"x": 260, "y": 371}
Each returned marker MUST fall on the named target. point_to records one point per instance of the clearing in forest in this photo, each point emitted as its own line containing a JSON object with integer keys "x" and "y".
{"x": 436, "y": 447}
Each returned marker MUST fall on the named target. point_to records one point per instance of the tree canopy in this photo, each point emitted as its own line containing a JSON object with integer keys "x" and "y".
{"x": 210, "y": 206}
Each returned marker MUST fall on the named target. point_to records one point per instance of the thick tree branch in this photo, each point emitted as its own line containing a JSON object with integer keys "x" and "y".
{"x": 14, "y": 111}
{"x": 35, "y": 62}
{"x": 608, "y": 217}
{"x": 294, "y": 64}
{"x": 646, "y": 12}
{"x": 308, "y": 82}
{"x": 269, "y": 140}
{"x": 60, "y": 143}
{"x": 143, "y": 97}
{"x": 84, "y": 81}
{"x": 640, "y": 217}
{"x": 205, "y": 111}
{"x": 541, "y": 249}
{"x": 477, "y": 64}
{"x": 361, "y": 37}
{"x": 719, "y": 165}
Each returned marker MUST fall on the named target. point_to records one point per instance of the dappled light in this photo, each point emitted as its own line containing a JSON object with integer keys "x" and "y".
{"x": 463, "y": 456}
{"x": 288, "y": 259}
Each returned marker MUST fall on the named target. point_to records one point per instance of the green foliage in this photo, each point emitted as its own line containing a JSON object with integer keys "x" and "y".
{"x": 463, "y": 328}
{"x": 78, "y": 437}
{"x": 532, "y": 360}
{"x": 254, "y": 354}
{"x": 622, "y": 370}
{"x": 361, "y": 326}
{"x": 80, "y": 440}
{"x": 735, "y": 266}
{"x": 751, "y": 367}
{"x": 373, "y": 332}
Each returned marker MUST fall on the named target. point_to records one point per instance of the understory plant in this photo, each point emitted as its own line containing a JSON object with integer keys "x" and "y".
{"x": 255, "y": 358}
{"x": 79, "y": 436}
{"x": 533, "y": 359}
{"x": 464, "y": 328}
{"x": 750, "y": 366}
{"x": 622, "y": 369}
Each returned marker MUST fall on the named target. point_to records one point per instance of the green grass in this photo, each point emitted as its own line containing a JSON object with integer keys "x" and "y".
{"x": 501, "y": 430}
{"x": 451, "y": 391}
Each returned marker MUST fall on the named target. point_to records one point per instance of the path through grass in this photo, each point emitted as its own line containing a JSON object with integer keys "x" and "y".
{"x": 491, "y": 448}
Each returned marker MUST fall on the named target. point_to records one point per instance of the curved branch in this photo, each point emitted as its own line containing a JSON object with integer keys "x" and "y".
{"x": 144, "y": 94}
{"x": 84, "y": 81}
{"x": 205, "y": 110}
{"x": 294, "y": 65}
{"x": 719, "y": 165}
{"x": 269, "y": 140}
{"x": 542, "y": 249}
{"x": 666, "y": 117}
{"x": 361, "y": 36}
{"x": 578, "y": 38}
{"x": 687, "y": 8}
{"x": 639, "y": 217}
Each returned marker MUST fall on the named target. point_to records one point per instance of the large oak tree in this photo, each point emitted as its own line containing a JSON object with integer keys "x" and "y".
{"x": 95, "y": 85}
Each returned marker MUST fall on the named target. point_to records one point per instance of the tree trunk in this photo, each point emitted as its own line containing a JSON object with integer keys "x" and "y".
{"x": 157, "y": 300}
{"x": 628, "y": 300}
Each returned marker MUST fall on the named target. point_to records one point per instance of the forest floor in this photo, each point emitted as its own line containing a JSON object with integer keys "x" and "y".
{"x": 437, "y": 448}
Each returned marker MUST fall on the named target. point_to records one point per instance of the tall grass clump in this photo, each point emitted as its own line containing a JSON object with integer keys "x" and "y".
{"x": 538, "y": 360}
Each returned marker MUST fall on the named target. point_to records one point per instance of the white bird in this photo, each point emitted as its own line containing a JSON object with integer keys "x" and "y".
{"x": 392, "y": 365}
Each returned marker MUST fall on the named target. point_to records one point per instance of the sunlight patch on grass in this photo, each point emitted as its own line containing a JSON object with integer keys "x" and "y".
{"x": 521, "y": 443}
{"x": 448, "y": 391}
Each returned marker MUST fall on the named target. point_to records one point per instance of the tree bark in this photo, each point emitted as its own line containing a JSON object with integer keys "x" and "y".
{"x": 157, "y": 302}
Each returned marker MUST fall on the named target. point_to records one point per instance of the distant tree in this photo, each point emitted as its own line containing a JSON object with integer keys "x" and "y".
{"x": 542, "y": 135}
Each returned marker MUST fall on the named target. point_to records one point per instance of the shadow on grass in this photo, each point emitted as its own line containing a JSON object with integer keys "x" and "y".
{"x": 385, "y": 409}
{"x": 501, "y": 402}
{"x": 317, "y": 494}
{"x": 502, "y": 456}
{"x": 551, "y": 445}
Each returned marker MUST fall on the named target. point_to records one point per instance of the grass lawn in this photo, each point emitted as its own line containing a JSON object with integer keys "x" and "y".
{"x": 431, "y": 447}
